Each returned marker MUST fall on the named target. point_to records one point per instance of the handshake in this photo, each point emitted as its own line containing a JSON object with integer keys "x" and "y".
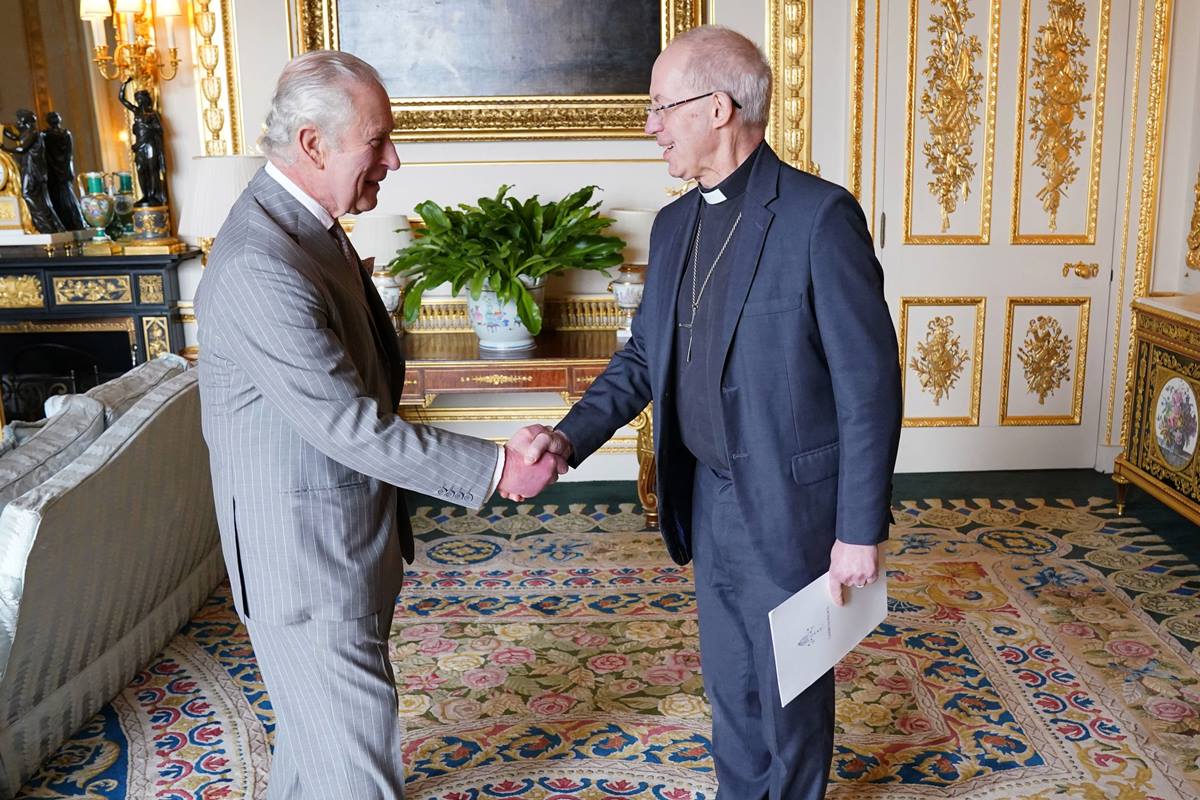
{"x": 533, "y": 459}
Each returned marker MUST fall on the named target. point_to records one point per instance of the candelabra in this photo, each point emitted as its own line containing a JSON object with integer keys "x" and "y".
{"x": 135, "y": 54}
{"x": 135, "y": 58}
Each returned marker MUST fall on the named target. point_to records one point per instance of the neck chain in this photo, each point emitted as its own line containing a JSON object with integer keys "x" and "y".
{"x": 697, "y": 294}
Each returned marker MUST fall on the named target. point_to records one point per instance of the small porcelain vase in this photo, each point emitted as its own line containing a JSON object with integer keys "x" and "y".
{"x": 97, "y": 204}
{"x": 627, "y": 289}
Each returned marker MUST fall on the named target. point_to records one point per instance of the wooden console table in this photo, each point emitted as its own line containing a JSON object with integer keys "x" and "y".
{"x": 565, "y": 363}
{"x": 1164, "y": 413}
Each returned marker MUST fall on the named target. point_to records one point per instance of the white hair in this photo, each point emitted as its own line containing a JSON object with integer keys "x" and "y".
{"x": 313, "y": 90}
{"x": 723, "y": 60}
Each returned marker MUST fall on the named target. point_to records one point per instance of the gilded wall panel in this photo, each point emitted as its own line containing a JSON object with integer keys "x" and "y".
{"x": 1060, "y": 120}
{"x": 941, "y": 351}
{"x": 789, "y": 49}
{"x": 1045, "y": 353}
{"x": 950, "y": 120}
{"x": 214, "y": 56}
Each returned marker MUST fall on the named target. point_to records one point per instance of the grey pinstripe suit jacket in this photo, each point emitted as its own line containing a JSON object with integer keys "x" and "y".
{"x": 299, "y": 374}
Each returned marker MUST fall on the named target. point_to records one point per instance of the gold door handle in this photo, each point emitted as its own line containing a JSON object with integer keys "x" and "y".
{"x": 1081, "y": 269}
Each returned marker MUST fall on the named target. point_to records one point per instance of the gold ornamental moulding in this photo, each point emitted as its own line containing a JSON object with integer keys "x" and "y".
{"x": 572, "y": 313}
{"x": 154, "y": 332}
{"x": 1193, "y": 237}
{"x": 1059, "y": 75}
{"x": 150, "y": 289}
{"x": 214, "y": 55}
{"x": 1154, "y": 137}
{"x": 940, "y": 357}
{"x": 1048, "y": 356}
{"x": 789, "y": 36}
{"x": 955, "y": 91}
{"x": 429, "y": 119}
{"x": 100, "y": 290}
{"x": 21, "y": 291}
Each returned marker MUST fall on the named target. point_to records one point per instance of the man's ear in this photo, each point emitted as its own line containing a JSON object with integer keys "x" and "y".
{"x": 309, "y": 146}
{"x": 722, "y": 110}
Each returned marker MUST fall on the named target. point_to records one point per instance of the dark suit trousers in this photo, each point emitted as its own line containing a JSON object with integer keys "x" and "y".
{"x": 760, "y": 749}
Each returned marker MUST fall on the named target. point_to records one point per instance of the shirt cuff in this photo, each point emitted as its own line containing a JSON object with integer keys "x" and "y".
{"x": 495, "y": 484}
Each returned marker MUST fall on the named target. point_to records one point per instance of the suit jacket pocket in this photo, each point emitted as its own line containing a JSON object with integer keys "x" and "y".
{"x": 817, "y": 464}
{"x": 776, "y": 305}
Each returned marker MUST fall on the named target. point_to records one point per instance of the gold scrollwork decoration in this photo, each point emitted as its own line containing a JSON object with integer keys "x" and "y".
{"x": 1045, "y": 356}
{"x": 955, "y": 100}
{"x": 490, "y": 118}
{"x": 1059, "y": 80}
{"x": 102, "y": 289}
{"x": 950, "y": 103}
{"x": 788, "y": 37}
{"x": 150, "y": 289}
{"x": 496, "y": 379}
{"x": 21, "y": 291}
{"x": 154, "y": 331}
{"x": 940, "y": 358}
{"x": 1193, "y": 239}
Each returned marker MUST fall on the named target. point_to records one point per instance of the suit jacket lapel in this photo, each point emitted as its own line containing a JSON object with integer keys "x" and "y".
{"x": 743, "y": 263}
{"x": 315, "y": 243}
{"x": 676, "y": 266}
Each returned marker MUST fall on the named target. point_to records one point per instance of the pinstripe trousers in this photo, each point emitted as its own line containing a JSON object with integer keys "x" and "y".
{"x": 337, "y": 732}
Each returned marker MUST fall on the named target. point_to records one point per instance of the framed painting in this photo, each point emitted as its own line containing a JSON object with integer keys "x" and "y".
{"x": 504, "y": 69}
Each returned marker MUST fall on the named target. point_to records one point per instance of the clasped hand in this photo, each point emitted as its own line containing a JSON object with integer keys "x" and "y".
{"x": 534, "y": 458}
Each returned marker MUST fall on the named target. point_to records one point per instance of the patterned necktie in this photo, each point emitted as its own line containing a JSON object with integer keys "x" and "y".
{"x": 343, "y": 242}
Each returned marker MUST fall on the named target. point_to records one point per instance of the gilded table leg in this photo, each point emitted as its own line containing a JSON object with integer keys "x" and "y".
{"x": 647, "y": 470}
{"x": 1122, "y": 492}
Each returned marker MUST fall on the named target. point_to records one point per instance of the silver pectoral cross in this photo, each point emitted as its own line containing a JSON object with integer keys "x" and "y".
{"x": 689, "y": 326}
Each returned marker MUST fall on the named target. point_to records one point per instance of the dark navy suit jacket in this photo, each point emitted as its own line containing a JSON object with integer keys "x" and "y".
{"x": 806, "y": 374}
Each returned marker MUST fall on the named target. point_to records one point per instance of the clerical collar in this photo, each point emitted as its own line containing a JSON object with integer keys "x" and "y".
{"x": 733, "y": 185}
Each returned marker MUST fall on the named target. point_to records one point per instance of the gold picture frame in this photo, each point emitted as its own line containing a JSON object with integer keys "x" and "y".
{"x": 426, "y": 119}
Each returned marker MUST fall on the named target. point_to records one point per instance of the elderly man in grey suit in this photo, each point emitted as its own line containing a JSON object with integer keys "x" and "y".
{"x": 300, "y": 372}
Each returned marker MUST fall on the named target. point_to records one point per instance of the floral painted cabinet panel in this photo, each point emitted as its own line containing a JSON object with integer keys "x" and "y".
{"x": 1164, "y": 420}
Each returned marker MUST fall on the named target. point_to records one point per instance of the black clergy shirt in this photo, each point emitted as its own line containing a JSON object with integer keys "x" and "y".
{"x": 700, "y": 414}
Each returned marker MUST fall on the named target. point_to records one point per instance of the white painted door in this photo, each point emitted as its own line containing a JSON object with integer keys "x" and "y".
{"x": 1000, "y": 142}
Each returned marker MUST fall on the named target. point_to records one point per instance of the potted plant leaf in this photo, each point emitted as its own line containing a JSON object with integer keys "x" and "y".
{"x": 501, "y": 251}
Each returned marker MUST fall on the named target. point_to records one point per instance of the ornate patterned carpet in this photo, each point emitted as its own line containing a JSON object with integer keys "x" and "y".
{"x": 1035, "y": 649}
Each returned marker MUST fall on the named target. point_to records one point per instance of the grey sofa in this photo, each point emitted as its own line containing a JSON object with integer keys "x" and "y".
{"x": 101, "y": 562}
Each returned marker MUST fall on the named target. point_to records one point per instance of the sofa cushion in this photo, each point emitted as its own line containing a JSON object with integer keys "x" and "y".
{"x": 120, "y": 393}
{"x": 43, "y": 449}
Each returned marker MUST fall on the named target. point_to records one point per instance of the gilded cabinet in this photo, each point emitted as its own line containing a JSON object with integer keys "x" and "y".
{"x": 1160, "y": 449}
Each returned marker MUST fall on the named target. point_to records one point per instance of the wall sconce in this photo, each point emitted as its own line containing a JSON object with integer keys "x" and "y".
{"x": 134, "y": 54}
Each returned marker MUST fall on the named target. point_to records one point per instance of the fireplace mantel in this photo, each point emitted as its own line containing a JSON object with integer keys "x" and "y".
{"x": 52, "y": 295}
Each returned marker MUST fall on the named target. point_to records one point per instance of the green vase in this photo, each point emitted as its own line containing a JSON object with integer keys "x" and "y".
{"x": 123, "y": 204}
{"x": 97, "y": 205}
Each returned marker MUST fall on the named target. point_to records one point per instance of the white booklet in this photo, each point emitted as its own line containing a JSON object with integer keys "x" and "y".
{"x": 810, "y": 634}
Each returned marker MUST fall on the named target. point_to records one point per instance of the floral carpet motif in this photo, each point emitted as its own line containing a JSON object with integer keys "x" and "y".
{"x": 1035, "y": 649}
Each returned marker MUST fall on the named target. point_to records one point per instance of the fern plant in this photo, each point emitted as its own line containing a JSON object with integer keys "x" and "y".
{"x": 506, "y": 246}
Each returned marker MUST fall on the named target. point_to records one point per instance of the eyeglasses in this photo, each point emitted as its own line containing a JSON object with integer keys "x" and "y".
{"x": 657, "y": 111}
